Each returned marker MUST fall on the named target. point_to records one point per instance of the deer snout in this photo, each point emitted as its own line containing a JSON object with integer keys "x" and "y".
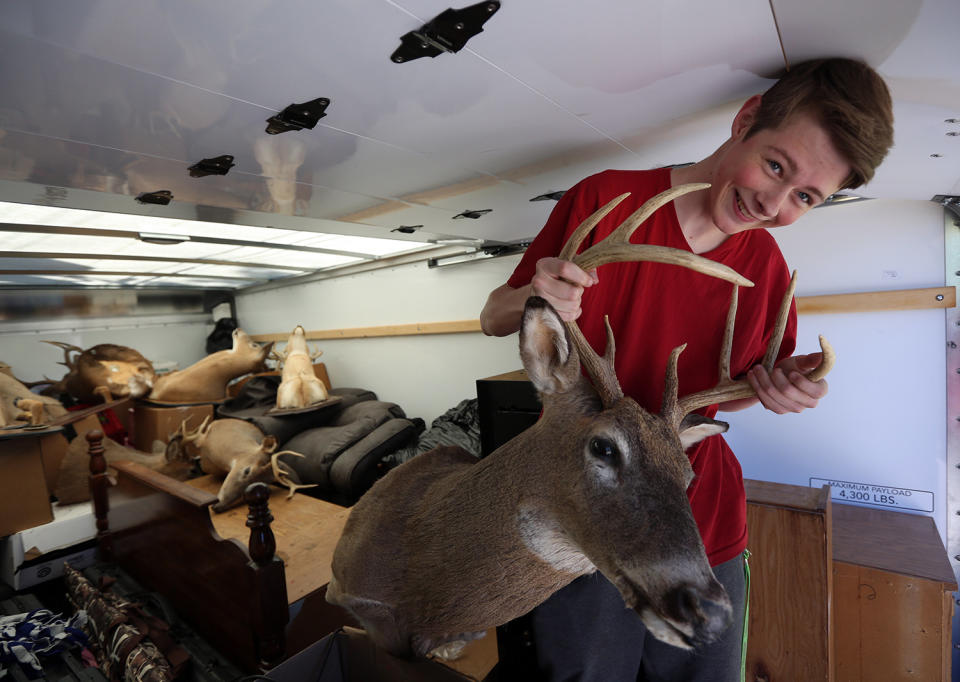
{"x": 702, "y": 615}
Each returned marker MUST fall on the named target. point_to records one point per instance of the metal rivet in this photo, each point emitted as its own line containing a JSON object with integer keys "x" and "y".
{"x": 939, "y": 297}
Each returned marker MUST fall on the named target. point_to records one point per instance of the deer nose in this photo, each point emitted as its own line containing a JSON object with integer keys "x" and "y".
{"x": 708, "y": 612}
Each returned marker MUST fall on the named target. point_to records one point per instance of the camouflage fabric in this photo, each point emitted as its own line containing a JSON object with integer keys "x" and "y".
{"x": 118, "y": 629}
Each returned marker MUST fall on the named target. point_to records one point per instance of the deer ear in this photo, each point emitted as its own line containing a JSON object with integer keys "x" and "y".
{"x": 545, "y": 348}
{"x": 695, "y": 427}
{"x": 268, "y": 445}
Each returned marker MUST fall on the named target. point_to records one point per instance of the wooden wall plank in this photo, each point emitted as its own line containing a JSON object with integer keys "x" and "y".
{"x": 904, "y": 299}
{"x": 454, "y": 327}
{"x": 878, "y": 610}
{"x": 791, "y": 585}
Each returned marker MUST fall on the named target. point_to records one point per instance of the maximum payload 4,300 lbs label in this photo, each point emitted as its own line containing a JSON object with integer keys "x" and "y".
{"x": 867, "y": 493}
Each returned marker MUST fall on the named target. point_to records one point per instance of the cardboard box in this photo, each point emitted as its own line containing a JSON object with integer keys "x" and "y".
{"x": 24, "y": 495}
{"x": 362, "y": 661}
{"x": 152, "y": 422}
{"x": 37, "y": 554}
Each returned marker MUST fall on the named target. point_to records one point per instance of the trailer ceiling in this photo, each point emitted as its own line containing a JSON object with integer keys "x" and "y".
{"x": 103, "y": 101}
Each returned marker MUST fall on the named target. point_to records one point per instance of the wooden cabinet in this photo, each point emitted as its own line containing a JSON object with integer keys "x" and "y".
{"x": 790, "y": 623}
{"x": 844, "y": 593}
{"x": 892, "y": 597}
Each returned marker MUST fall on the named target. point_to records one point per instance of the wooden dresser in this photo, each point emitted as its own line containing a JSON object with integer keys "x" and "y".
{"x": 844, "y": 593}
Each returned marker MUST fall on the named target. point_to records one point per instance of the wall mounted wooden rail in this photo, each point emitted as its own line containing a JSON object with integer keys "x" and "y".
{"x": 871, "y": 301}
{"x": 417, "y": 328}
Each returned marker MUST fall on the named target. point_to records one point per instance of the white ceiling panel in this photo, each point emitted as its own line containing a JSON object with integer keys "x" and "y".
{"x": 625, "y": 66}
{"x": 102, "y": 100}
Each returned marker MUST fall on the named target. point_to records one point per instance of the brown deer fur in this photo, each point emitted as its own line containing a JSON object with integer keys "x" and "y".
{"x": 207, "y": 379}
{"x": 104, "y": 372}
{"x": 446, "y": 546}
{"x": 73, "y": 478}
{"x": 18, "y": 403}
{"x": 236, "y": 450}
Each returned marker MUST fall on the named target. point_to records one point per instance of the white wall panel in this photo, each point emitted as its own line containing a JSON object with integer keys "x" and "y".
{"x": 160, "y": 342}
{"x": 883, "y": 422}
{"x": 425, "y": 375}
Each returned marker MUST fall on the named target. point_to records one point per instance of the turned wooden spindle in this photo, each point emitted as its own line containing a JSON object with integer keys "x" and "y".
{"x": 263, "y": 544}
{"x": 99, "y": 484}
{"x": 269, "y": 578}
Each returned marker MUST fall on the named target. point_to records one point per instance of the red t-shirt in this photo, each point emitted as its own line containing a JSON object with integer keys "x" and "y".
{"x": 655, "y": 307}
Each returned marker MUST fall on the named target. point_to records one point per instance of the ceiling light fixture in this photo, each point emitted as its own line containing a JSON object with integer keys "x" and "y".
{"x": 162, "y": 239}
{"x": 842, "y": 198}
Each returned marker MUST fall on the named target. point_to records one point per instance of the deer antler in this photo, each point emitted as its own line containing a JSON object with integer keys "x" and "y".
{"x": 67, "y": 349}
{"x": 277, "y": 357}
{"x": 282, "y": 477}
{"x": 726, "y": 388}
{"x": 196, "y": 434}
{"x": 617, "y": 248}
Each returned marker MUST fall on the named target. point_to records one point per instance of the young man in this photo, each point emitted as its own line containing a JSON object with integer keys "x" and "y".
{"x": 825, "y": 126}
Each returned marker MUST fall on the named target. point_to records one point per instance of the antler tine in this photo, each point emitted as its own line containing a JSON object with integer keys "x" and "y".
{"x": 601, "y": 370}
{"x": 583, "y": 229}
{"x": 669, "y": 407}
{"x": 773, "y": 348}
{"x": 728, "y": 389}
{"x": 197, "y": 433}
{"x": 282, "y": 477}
{"x": 617, "y": 247}
{"x": 67, "y": 348}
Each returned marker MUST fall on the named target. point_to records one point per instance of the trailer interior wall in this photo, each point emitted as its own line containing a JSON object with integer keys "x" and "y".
{"x": 424, "y": 374}
{"x": 167, "y": 341}
{"x": 882, "y": 423}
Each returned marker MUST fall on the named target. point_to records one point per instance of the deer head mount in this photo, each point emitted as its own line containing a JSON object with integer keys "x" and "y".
{"x": 207, "y": 378}
{"x": 236, "y": 450}
{"x": 445, "y": 546}
{"x": 299, "y": 385}
{"x": 104, "y": 372}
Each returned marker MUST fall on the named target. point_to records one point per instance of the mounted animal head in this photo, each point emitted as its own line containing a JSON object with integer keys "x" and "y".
{"x": 597, "y": 483}
{"x": 207, "y": 378}
{"x": 236, "y": 450}
{"x": 104, "y": 372}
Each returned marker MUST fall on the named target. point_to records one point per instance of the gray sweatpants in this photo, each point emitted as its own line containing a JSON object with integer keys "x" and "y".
{"x": 583, "y": 633}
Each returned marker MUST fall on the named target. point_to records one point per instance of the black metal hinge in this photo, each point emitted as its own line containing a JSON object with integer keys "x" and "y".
{"x": 298, "y": 116}
{"x": 216, "y": 166}
{"x": 449, "y": 31}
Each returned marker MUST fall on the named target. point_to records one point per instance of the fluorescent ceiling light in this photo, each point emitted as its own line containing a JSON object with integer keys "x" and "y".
{"x": 169, "y": 228}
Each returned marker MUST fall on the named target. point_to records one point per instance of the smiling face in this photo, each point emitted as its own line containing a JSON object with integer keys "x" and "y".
{"x": 774, "y": 176}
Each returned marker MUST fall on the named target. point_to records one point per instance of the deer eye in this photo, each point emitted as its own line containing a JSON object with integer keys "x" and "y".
{"x": 604, "y": 450}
